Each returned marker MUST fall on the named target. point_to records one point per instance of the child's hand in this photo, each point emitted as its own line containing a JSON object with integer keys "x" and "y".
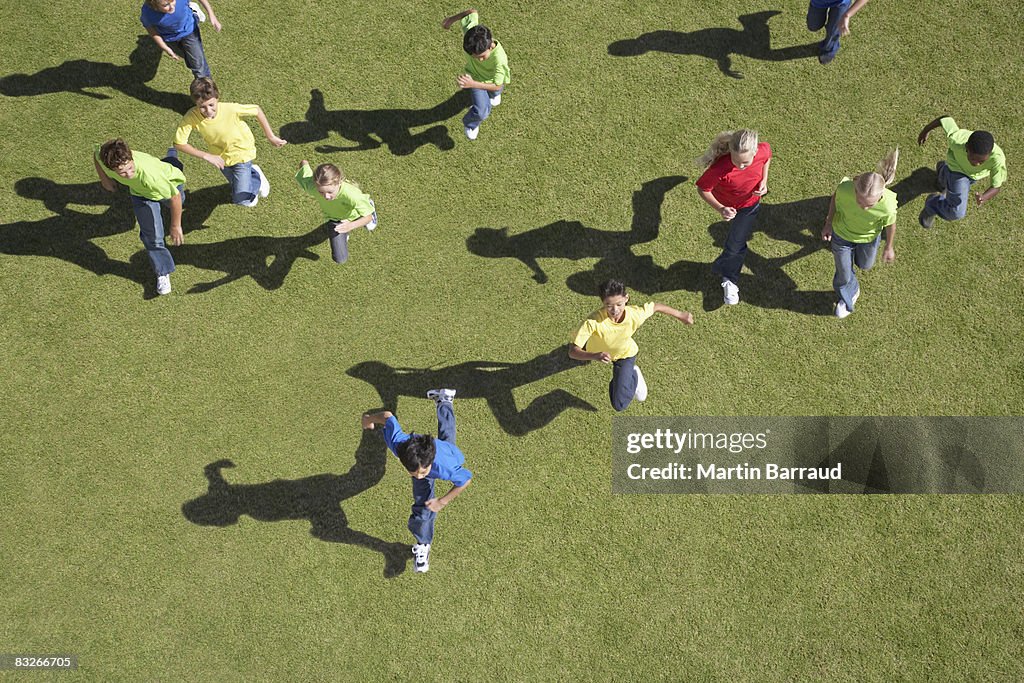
{"x": 889, "y": 255}
{"x": 604, "y": 357}
{"x": 466, "y": 81}
{"x": 278, "y": 142}
{"x": 171, "y": 54}
{"x": 215, "y": 160}
{"x": 978, "y": 197}
{"x": 844, "y": 26}
{"x": 728, "y": 213}
{"x": 214, "y": 22}
{"x": 686, "y": 317}
{"x": 303, "y": 164}
{"x": 826, "y": 233}
{"x": 922, "y": 137}
{"x": 342, "y": 227}
{"x": 177, "y": 238}
{"x": 762, "y": 189}
{"x": 366, "y": 421}
{"x": 434, "y": 505}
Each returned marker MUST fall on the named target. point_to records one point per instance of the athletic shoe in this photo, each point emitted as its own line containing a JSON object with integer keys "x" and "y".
{"x": 421, "y": 557}
{"x": 641, "y": 385}
{"x": 471, "y": 133}
{"x": 372, "y": 225}
{"x": 438, "y": 395}
{"x": 200, "y": 14}
{"x": 163, "y": 284}
{"x": 826, "y": 59}
{"x": 841, "y": 310}
{"x": 264, "y": 183}
{"x": 252, "y": 202}
{"x": 938, "y": 176}
{"x": 927, "y": 220}
{"x": 495, "y": 99}
{"x": 732, "y": 292}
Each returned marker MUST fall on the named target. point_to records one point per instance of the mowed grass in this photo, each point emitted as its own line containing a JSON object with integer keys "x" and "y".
{"x": 113, "y": 402}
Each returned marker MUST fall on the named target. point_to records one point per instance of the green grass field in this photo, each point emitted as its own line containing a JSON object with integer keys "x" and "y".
{"x": 114, "y": 401}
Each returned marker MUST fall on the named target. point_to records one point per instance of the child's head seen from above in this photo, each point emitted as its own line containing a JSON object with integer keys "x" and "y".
{"x": 327, "y": 178}
{"x": 116, "y": 156}
{"x": 478, "y": 42}
{"x": 417, "y": 455}
{"x": 206, "y": 96}
{"x": 979, "y": 147}
{"x": 614, "y": 297}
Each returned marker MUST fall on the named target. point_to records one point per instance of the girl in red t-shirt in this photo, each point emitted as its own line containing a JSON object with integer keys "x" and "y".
{"x": 733, "y": 184}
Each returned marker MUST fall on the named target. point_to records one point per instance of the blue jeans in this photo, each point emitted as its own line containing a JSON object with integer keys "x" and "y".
{"x": 846, "y": 255}
{"x": 151, "y": 224}
{"x": 829, "y": 18}
{"x": 481, "y": 107}
{"x": 191, "y": 49}
{"x": 741, "y": 227}
{"x": 339, "y": 240}
{"x": 421, "y": 521}
{"x": 953, "y": 206}
{"x": 245, "y": 182}
{"x": 623, "y": 385}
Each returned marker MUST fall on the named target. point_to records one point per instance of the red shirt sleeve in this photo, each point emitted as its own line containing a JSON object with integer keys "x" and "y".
{"x": 713, "y": 175}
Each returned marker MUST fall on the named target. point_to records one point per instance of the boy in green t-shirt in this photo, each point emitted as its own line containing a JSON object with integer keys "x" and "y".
{"x": 970, "y": 156}
{"x": 151, "y": 182}
{"x": 487, "y": 71}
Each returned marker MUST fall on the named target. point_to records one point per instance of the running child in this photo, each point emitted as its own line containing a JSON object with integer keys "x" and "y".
{"x": 174, "y": 27}
{"x": 151, "y": 183}
{"x": 970, "y": 156}
{"x": 733, "y": 184}
{"x": 487, "y": 71}
{"x": 231, "y": 143}
{"x": 344, "y": 205}
{"x": 607, "y": 336}
{"x": 858, "y": 213}
{"x": 426, "y": 459}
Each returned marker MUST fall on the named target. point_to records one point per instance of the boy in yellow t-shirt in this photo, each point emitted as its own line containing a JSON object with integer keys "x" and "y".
{"x": 487, "y": 71}
{"x": 607, "y": 336}
{"x": 232, "y": 146}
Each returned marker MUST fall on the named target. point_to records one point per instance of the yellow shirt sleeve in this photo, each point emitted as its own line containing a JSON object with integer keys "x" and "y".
{"x": 247, "y": 109}
{"x": 583, "y": 334}
{"x": 185, "y": 128}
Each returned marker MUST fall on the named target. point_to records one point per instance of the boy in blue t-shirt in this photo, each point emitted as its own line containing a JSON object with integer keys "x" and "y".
{"x": 426, "y": 459}
{"x": 174, "y": 26}
{"x": 834, "y": 17}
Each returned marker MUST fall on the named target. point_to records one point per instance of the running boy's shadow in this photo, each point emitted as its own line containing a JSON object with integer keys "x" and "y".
{"x": 492, "y": 381}
{"x": 76, "y": 75}
{"x": 717, "y": 44}
{"x": 267, "y": 260}
{"x": 316, "y": 498}
{"x": 371, "y": 128}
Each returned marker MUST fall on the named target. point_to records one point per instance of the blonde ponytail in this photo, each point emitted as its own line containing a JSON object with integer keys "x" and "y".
{"x": 743, "y": 140}
{"x": 870, "y": 185}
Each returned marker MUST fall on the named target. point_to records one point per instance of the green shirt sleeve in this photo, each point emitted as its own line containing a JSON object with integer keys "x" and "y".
{"x": 998, "y": 162}
{"x": 948, "y": 125}
{"x": 359, "y": 201}
{"x": 469, "y": 22}
{"x": 305, "y": 180}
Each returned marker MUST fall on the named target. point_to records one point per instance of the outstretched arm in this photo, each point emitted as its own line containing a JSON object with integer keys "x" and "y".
{"x": 682, "y": 316}
{"x": 210, "y": 15}
{"x": 576, "y": 353}
{"x": 448, "y": 21}
{"x": 371, "y": 420}
{"x": 160, "y": 42}
{"x": 844, "y": 22}
{"x": 923, "y": 136}
{"x": 267, "y": 130}
{"x": 177, "y": 237}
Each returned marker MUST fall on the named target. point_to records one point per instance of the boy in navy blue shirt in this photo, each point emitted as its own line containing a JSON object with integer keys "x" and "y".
{"x": 426, "y": 460}
{"x": 174, "y": 26}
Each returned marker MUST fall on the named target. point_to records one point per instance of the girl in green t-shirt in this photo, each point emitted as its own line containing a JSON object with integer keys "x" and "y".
{"x": 860, "y": 209}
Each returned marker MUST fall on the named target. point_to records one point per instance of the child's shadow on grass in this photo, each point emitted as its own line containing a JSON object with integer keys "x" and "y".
{"x": 717, "y": 44}
{"x": 770, "y": 286}
{"x": 371, "y": 128}
{"x": 316, "y": 498}
{"x": 489, "y": 380}
{"x": 68, "y": 235}
{"x": 77, "y": 75}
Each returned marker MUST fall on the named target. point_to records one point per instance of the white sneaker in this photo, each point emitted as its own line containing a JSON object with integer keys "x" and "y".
{"x": 841, "y": 310}
{"x": 163, "y": 284}
{"x": 421, "y": 557}
{"x": 438, "y": 395}
{"x": 264, "y": 183}
{"x": 471, "y": 133}
{"x": 732, "y": 293}
{"x": 495, "y": 99}
{"x": 641, "y": 385}
{"x": 200, "y": 14}
{"x": 372, "y": 225}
